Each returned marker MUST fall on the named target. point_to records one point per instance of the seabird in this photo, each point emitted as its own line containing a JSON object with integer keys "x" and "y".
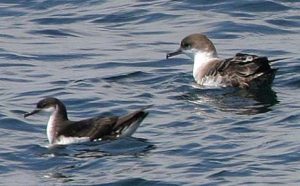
{"x": 242, "y": 70}
{"x": 60, "y": 130}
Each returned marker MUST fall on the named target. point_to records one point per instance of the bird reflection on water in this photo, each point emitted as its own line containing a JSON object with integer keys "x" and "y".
{"x": 239, "y": 101}
{"x": 128, "y": 146}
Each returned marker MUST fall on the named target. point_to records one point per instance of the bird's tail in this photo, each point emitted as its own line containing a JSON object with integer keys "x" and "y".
{"x": 278, "y": 59}
{"x": 129, "y": 123}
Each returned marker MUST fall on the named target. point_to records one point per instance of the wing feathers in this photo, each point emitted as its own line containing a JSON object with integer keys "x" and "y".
{"x": 104, "y": 128}
{"x": 243, "y": 70}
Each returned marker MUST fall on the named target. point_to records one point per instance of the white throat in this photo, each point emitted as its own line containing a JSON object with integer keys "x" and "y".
{"x": 201, "y": 61}
{"x": 51, "y": 131}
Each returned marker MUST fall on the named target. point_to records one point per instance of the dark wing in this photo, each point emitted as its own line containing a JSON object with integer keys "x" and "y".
{"x": 133, "y": 118}
{"x": 94, "y": 128}
{"x": 244, "y": 71}
{"x": 103, "y": 127}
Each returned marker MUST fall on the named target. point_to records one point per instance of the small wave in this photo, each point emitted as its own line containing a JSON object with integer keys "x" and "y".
{"x": 53, "y": 33}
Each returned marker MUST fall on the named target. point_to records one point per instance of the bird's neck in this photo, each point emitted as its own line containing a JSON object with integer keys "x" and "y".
{"x": 202, "y": 61}
{"x": 56, "y": 122}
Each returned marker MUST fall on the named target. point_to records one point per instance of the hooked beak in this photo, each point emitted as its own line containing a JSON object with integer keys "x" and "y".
{"x": 177, "y": 52}
{"x": 31, "y": 113}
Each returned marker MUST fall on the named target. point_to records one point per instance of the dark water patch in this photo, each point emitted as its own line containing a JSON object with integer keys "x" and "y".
{"x": 61, "y": 57}
{"x": 215, "y": 137}
{"x": 50, "y": 4}
{"x": 241, "y": 130}
{"x": 255, "y": 6}
{"x": 290, "y": 120}
{"x": 263, "y": 182}
{"x": 54, "y": 21}
{"x": 4, "y": 169}
{"x": 283, "y": 158}
{"x": 54, "y": 33}
{"x": 59, "y": 83}
{"x": 232, "y": 6}
{"x": 126, "y": 76}
{"x": 11, "y": 12}
{"x": 155, "y": 17}
{"x": 12, "y": 56}
{"x": 18, "y": 112}
{"x": 123, "y": 146}
{"x": 84, "y": 84}
{"x": 121, "y": 17}
{"x": 44, "y": 93}
{"x": 163, "y": 63}
{"x": 179, "y": 125}
{"x": 62, "y": 177}
{"x": 226, "y": 173}
{"x": 80, "y": 151}
{"x": 15, "y": 80}
{"x": 157, "y": 82}
{"x": 232, "y": 27}
{"x": 7, "y": 65}
{"x": 144, "y": 96}
{"x": 109, "y": 65}
{"x": 46, "y": 57}
{"x": 234, "y": 100}
{"x": 275, "y": 144}
{"x": 34, "y": 76}
{"x": 188, "y": 150}
{"x": 139, "y": 182}
{"x": 208, "y": 165}
{"x": 216, "y": 150}
{"x": 67, "y": 159}
{"x": 84, "y": 81}
{"x": 284, "y": 22}
{"x": 64, "y": 19}
{"x": 148, "y": 33}
{"x": 7, "y": 36}
{"x": 17, "y": 125}
{"x": 33, "y": 162}
{"x": 128, "y": 146}
{"x": 197, "y": 5}
{"x": 218, "y": 35}
{"x": 243, "y": 15}
{"x": 296, "y": 17}
{"x": 264, "y": 96}
{"x": 191, "y": 145}
{"x": 293, "y": 82}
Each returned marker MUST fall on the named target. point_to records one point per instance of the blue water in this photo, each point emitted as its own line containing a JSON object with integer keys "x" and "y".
{"x": 108, "y": 57}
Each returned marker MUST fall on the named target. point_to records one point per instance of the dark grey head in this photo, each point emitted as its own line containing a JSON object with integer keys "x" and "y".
{"x": 48, "y": 104}
{"x": 193, "y": 44}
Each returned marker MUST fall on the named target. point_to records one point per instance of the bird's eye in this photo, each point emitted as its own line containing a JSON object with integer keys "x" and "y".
{"x": 186, "y": 45}
{"x": 42, "y": 105}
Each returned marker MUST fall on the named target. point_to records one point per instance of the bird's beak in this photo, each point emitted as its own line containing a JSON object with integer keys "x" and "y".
{"x": 31, "y": 113}
{"x": 177, "y": 52}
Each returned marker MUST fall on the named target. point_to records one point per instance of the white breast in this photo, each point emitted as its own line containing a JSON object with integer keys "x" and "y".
{"x": 51, "y": 128}
{"x": 63, "y": 140}
{"x": 202, "y": 61}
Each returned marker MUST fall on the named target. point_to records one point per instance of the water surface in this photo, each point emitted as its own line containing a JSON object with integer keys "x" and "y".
{"x": 109, "y": 57}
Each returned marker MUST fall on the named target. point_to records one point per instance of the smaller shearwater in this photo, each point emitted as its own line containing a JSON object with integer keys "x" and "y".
{"x": 60, "y": 130}
{"x": 242, "y": 70}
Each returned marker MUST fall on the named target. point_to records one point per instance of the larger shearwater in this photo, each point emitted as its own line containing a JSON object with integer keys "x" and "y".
{"x": 242, "y": 70}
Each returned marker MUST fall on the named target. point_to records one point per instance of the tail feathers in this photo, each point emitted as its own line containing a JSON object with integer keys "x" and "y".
{"x": 278, "y": 59}
{"x": 263, "y": 80}
{"x": 128, "y": 124}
